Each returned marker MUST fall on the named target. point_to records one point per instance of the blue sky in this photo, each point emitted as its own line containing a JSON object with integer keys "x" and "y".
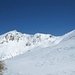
{"x": 56, "y": 17}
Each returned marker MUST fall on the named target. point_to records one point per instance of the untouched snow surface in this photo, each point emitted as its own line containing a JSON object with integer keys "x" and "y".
{"x": 47, "y": 56}
{"x": 14, "y": 43}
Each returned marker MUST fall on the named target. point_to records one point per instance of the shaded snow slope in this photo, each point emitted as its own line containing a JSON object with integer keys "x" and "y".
{"x": 56, "y": 59}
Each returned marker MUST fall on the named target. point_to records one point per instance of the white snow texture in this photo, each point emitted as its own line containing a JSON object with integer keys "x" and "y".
{"x": 39, "y": 54}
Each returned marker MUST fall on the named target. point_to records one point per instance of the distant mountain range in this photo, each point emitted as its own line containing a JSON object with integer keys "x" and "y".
{"x": 14, "y": 43}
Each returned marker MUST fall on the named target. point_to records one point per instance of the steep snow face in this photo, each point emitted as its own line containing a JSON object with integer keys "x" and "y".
{"x": 14, "y": 43}
{"x": 58, "y": 59}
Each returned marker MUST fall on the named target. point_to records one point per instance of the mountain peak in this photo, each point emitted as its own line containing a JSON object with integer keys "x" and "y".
{"x": 17, "y": 42}
{"x": 13, "y": 31}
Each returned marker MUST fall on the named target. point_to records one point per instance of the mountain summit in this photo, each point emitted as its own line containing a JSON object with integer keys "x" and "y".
{"x": 38, "y": 54}
{"x": 14, "y": 43}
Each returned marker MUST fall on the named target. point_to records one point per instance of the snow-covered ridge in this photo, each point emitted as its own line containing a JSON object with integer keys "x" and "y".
{"x": 14, "y": 43}
{"x": 28, "y": 39}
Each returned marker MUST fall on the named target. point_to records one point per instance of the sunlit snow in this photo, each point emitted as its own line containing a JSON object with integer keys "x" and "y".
{"x": 39, "y": 54}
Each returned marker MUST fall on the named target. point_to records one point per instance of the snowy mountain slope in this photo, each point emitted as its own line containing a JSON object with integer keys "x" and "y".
{"x": 68, "y": 36}
{"x": 58, "y": 59}
{"x": 14, "y": 43}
